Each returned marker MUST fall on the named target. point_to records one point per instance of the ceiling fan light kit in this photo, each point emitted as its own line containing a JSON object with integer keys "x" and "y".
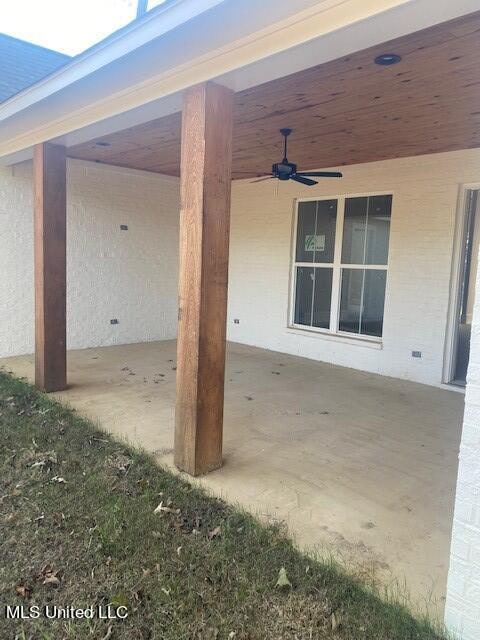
{"x": 286, "y": 170}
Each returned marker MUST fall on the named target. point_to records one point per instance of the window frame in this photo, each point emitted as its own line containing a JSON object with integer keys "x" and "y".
{"x": 336, "y": 267}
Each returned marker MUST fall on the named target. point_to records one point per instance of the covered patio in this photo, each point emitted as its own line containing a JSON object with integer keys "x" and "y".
{"x": 153, "y": 174}
{"x": 367, "y": 475}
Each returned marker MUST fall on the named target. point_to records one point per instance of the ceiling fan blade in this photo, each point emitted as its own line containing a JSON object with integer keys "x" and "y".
{"x": 303, "y": 180}
{"x": 262, "y": 179}
{"x": 321, "y": 174}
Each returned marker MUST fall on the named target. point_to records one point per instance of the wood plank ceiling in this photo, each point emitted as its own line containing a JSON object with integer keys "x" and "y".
{"x": 342, "y": 112}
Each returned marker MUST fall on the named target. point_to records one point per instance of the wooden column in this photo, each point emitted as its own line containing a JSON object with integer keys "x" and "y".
{"x": 205, "y": 185}
{"x": 49, "y": 177}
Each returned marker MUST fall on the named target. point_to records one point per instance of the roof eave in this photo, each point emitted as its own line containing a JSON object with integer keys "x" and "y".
{"x": 153, "y": 24}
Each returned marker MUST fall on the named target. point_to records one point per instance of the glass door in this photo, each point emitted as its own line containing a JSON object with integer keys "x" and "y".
{"x": 466, "y": 298}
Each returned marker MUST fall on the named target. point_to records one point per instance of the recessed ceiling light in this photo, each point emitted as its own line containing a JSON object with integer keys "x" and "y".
{"x": 386, "y": 59}
{"x": 102, "y": 144}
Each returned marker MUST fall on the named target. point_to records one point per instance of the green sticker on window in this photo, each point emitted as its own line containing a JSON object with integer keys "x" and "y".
{"x": 315, "y": 243}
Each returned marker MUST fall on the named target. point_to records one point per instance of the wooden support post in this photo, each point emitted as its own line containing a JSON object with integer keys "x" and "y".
{"x": 49, "y": 177}
{"x": 205, "y": 183}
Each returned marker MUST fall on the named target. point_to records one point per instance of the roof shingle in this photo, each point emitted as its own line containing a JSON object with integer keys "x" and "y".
{"x": 23, "y": 64}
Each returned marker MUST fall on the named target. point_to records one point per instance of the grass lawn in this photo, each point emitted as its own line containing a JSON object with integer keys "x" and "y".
{"x": 86, "y": 520}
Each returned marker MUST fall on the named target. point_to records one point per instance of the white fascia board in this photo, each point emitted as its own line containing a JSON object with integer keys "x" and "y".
{"x": 321, "y": 32}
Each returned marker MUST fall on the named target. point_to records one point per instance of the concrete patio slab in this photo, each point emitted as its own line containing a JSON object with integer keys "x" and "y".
{"x": 358, "y": 465}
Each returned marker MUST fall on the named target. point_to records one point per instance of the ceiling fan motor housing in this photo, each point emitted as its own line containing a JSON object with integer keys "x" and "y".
{"x": 284, "y": 170}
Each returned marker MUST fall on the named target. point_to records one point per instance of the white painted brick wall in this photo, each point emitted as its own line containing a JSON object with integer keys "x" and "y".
{"x": 425, "y": 191}
{"x": 129, "y": 275}
{"x": 462, "y": 610}
{"x": 132, "y": 275}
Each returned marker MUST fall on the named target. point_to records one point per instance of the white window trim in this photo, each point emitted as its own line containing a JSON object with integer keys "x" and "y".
{"x": 336, "y": 265}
